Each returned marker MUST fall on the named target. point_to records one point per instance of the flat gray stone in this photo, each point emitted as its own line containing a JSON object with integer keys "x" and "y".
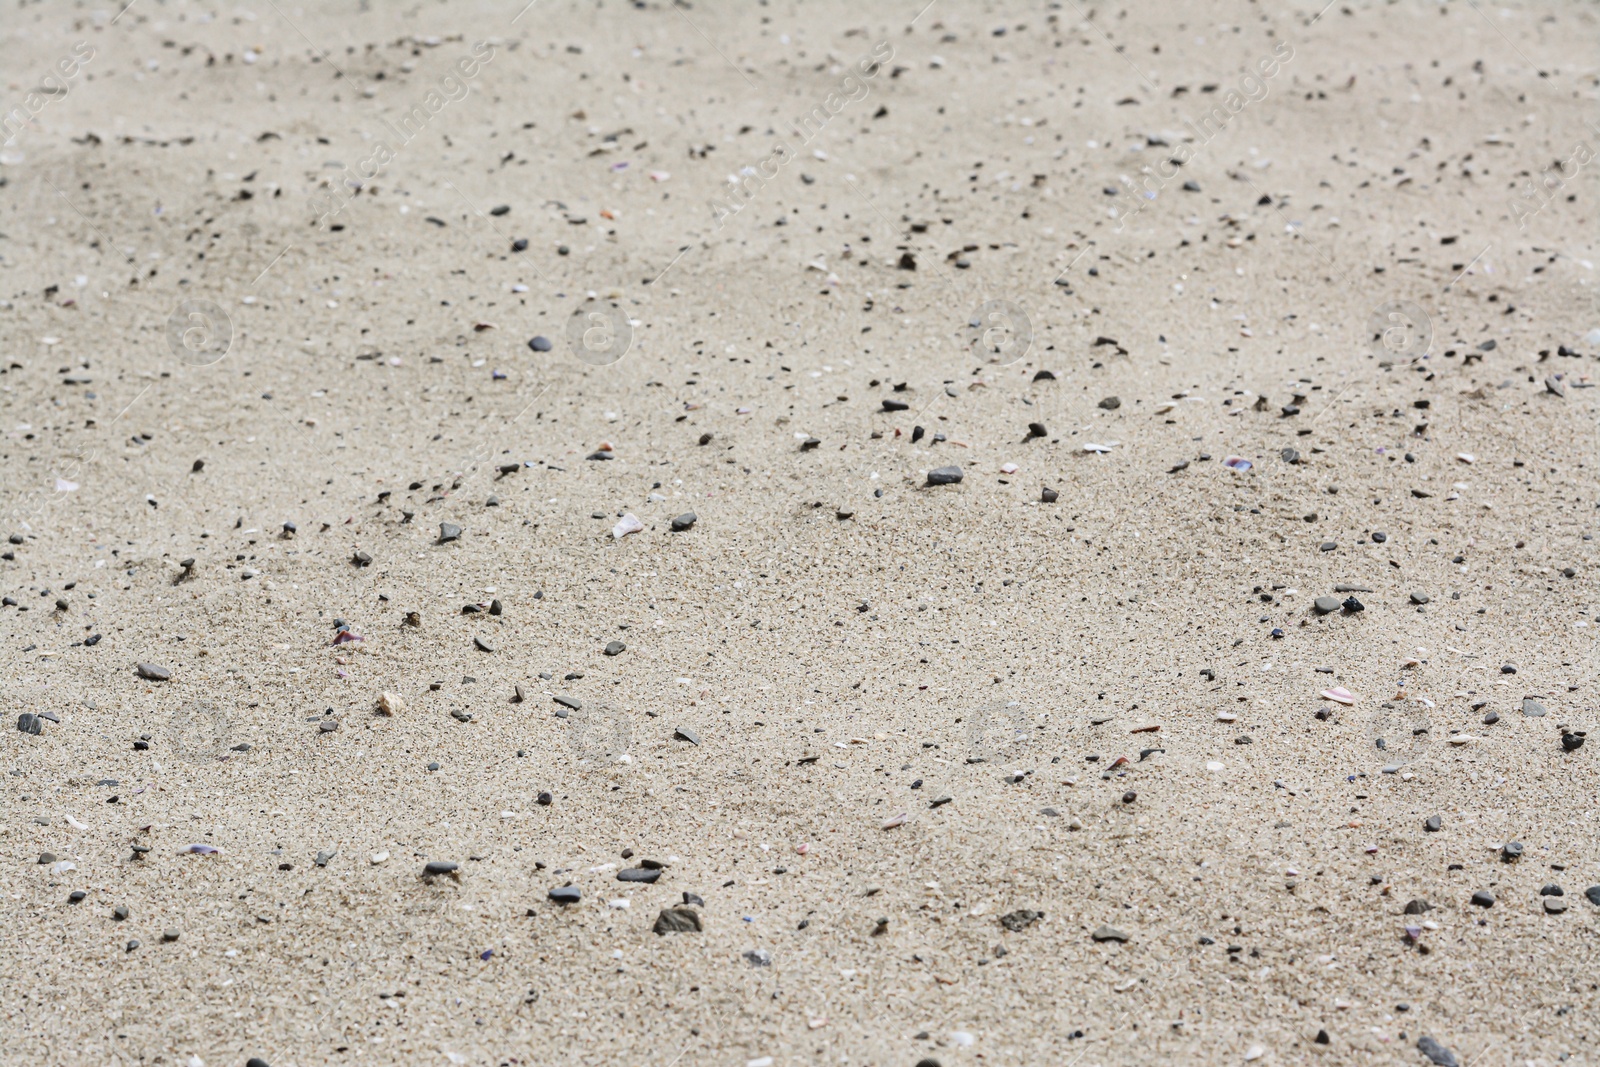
{"x": 1441, "y": 1056}
{"x": 569, "y": 702}
{"x": 638, "y": 874}
{"x": 1532, "y": 708}
{"x": 1326, "y": 605}
{"x": 683, "y": 733}
{"x": 152, "y": 672}
{"x": 1109, "y": 933}
{"x": 684, "y": 521}
{"x": 615, "y": 648}
{"x": 678, "y": 921}
{"x": 945, "y": 476}
{"x": 566, "y": 894}
{"x": 449, "y": 531}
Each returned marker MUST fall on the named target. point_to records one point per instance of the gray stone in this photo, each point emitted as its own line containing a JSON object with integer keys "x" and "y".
{"x": 30, "y": 724}
{"x": 683, "y": 733}
{"x": 1441, "y": 1056}
{"x": 449, "y": 531}
{"x": 569, "y": 702}
{"x": 1593, "y": 893}
{"x": 678, "y": 921}
{"x": 441, "y": 867}
{"x": 945, "y": 476}
{"x": 1110, "y": 403}
{"x": 1020, "y": 919}
{"x": 566, "y": 894}
{"x": 1434, "y": 824}
{"x": 1109, "y": 933}
{"x": 758, "y": 957}
{"x": 153, "y": 673}
{"x": 615, "y": 648}
{"x": 323, "y": 858}
{"x": 638, "y": 874}
{"x": 1326, "y": 605}
{"x": 684, "y": 521}
{"x": 1532, "y": 708}
{"x": 1554, "y": 906}
{"x": 1483, "y": 899}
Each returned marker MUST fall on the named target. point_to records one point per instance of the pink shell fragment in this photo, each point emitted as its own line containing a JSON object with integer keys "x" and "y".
{"x": 628, "y": 524}
{"x": 200, "y": 850}
{"x": 344, "y": 637}
{"x": 1237, "y": 463}
{"x": 1339, "y": 694}
{"x": 894, "y": 820}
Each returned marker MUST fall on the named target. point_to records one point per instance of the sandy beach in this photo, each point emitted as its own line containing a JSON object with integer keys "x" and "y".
{"x": 780, "y": 533}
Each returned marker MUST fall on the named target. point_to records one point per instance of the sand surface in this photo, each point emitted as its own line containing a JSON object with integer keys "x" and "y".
{"x": 267, "y": 330}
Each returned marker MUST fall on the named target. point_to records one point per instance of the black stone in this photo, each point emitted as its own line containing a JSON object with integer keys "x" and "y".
{"x": 434, "y": 867}
{"x": 566, "y": 894}
{"x": 945, "y": 476}
{"x": 1483, "y": 899}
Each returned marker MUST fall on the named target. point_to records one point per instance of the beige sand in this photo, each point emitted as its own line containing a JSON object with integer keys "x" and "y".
{"x": 189, "y": 275}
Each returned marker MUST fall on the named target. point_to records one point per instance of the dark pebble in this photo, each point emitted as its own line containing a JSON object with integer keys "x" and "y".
{"x": 152, "y": 672}
{"x": 638, "y": 874}
{"x": 1511, "y": 852}
{"x": 448, "y": 531}
{"x": 678, "y": 921}
{"x": 1434, "y": 824}
{"x": 1483, "y": 899}
{"x": 1049, "y": 496}
{"x": 545, "y": 799}
{"x": 1020, "y": 919}
{"x": 434, "y": 867}
{"x": 30, "y": 724}
{"x": 540, "y": 344}
{"x": 896, "y": 405}
{"x": 1441, "y": 1056}
{"x": 615, "y": 648}
{"x": 1572, "y": 741}
{"x": 566, "y": 894}
{"x": 684, "y": 521}
{"x": 944, "y": 476}
{"x": 1111, "y": 403}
